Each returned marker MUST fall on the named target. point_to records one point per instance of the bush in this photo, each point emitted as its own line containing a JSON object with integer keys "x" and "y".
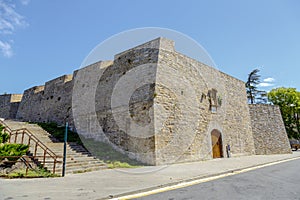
{"x": 3, "y": 136}
{"x": 1, "y": 128}
{"x": 17, "y": 150}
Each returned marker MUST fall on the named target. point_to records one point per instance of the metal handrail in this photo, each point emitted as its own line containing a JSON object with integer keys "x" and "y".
{"x": 24, "y": 160}
{"x": 38, "y": 143}
{"x": 32, "y": 136}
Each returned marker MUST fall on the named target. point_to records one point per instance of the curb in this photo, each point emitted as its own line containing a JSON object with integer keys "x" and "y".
{"x": 185, "y": 183}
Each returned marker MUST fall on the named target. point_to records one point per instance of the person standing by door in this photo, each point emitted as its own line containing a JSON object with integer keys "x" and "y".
{"x": 228, "y": 150}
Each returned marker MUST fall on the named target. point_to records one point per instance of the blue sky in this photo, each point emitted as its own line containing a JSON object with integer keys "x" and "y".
{"x": 43, "y": 39}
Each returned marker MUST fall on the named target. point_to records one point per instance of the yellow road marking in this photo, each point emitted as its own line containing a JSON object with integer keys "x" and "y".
{"x": 201, "y": 180}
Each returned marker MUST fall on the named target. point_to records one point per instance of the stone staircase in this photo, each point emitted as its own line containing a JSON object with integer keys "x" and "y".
{"x": 78, "y": 158}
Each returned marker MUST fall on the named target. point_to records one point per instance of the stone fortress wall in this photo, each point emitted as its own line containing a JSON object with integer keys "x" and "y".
{"x": 268, "y": 129}
{"x": 48, "y": 103}
{"x": 9, "y": 104}
{"x": 155, "y": 105}
{"x": 191, "y": 85}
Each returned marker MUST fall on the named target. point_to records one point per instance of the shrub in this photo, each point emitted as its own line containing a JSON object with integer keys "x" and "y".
{"x": 17, "y": 150}
{"x": 1, "y": 128}
{"x": 3, "y": 136}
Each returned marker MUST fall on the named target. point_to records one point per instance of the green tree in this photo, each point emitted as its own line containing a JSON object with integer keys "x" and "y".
{"x": 288, "y": 99}
{"x": 253, "y": 94}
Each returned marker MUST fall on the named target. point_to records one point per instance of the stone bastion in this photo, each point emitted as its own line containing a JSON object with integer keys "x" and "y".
{"x": 157, "y": 106}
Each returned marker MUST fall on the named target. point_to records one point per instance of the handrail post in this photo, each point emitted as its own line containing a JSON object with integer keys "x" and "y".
{"x": 22, "y": 138}
{"x": 29, "y": 138}
{"x": 36, "y": 146}
{"x": 54, "y": 165}
{"x": 10, "y": 134}
{"x": 44, "y": 159}
{"x": 65, "y": 150}
{"x": 16, "y": 135}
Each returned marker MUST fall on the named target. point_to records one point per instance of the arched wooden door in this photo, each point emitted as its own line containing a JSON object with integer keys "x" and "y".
{"x": 216, "y": 143}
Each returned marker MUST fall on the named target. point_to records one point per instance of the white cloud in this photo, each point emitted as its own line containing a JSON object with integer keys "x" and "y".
{"x": 265, "y": 84}
{"x": 25, "y": 2}
{"x": 6, "y": 49}
{"x": 269, "y": 80}
{"x": 10, "y": 20}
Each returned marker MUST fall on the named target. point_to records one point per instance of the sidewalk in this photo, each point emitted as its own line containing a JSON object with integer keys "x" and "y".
{"x": 107, "y": 183}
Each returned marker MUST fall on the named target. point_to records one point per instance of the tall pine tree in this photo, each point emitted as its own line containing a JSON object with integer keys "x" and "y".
{"x": 253, "y": 94}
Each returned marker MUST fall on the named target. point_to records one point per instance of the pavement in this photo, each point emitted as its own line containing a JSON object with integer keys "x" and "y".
{"x": 114, "y": 183}
{"x": 276, "y": 182}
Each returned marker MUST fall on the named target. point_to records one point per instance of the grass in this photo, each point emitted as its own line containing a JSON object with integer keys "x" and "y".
{"x": 118, "y": 164}
{"x": 59, "y": 132}
{"x": 82, "y": 171}
{"x": 32, "y": 173}
{"x": 110, "y": 156}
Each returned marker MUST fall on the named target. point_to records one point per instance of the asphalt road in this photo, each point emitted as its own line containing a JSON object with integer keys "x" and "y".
{"x": 281, "y": 181}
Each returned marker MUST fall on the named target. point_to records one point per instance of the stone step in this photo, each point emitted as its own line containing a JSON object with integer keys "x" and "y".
{"x": 77, "y": 168}
{"x": 78, "y": 158}
{"x": 69, "y": 154}
{"x": 77, "y": 164}
{"x": 70, "y": 158}
{"x": 85, "y": 164}
{"x": 81, "y": 170}
{"x": 59, "y": 150}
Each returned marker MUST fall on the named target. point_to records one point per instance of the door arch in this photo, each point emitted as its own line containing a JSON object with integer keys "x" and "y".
{"x": 217, "y": 144}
